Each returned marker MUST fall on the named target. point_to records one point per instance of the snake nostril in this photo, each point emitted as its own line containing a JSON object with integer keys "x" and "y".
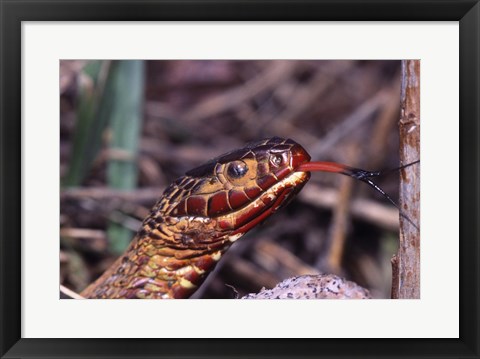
{"x": 299, "y": 156}
{"x": 276, "y": 160}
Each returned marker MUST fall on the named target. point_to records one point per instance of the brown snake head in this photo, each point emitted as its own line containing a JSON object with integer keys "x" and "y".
{"x": 238, "y": 190}
{"x": 199, "y": 216}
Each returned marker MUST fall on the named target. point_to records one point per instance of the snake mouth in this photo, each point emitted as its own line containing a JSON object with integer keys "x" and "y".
{"x": 267, "y": 203}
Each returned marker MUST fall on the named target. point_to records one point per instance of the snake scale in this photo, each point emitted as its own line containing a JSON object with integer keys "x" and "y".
{"x": 201, "y": 214}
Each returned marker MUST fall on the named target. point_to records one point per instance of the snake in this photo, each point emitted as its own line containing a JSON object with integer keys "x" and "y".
{"x": 201, "y": 214}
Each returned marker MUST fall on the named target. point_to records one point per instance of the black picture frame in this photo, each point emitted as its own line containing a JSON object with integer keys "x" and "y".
{"x": 13, "y": 12}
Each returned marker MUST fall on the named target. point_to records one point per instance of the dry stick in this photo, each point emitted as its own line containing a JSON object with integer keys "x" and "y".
{"x": 218, "y": 104}
{"x": 104, "y": 193}
{"x": 341, "y": 217}
{"x": 354, "y": 120}
{"x": 187, "y": 154}
{"x": 277, "y": 259}
{"x": 251, "y": 274}
{"x": 76, "y": 233}
{"x": 70, "y": 293}
{"x": 304, "y": 98}
{"x": 406, "y": 264}
{"x": 384, "y": 125}
{"x": 382, "y": 215}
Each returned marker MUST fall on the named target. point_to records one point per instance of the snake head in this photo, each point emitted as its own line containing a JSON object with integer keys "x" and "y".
{"x": 241, "y": 188}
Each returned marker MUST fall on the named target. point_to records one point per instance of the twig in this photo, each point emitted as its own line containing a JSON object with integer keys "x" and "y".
{"x": 69, "y": 293}
{"x": 407, "y": 283}
{"x": 276, "y": 259}
{"x": 186, "y": 154}
{"x": 250, "y": 274}
{"x": 106, "y": 193}
{"x": 395, "y": 278}
{"x": 215, "y": 105}
{"x": 384, "y": 216}
{"x": 306, "y": 97}
{"x": 358, "y": 117}
{"x": 384, "y": 125}
{"x": 341, "y": 216}
{"x": 94, "y": 234}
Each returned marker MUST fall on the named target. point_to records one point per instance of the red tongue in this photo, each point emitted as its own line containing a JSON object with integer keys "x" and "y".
{"x": 359, "y": 174}
{"x": 322, "y": 166}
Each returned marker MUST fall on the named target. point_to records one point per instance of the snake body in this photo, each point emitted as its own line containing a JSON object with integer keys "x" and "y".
{"x": 199, "y": 216}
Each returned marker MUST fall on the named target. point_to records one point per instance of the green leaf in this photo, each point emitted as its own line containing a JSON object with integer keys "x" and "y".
{"x": 124, "y": 126}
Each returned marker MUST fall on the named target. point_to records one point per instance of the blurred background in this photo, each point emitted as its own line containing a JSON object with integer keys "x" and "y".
{"x": 129, "y": 128}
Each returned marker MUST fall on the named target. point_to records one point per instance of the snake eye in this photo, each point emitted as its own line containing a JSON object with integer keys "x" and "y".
{"x": 237, "y": 169}
{"x": 277, "y": 160}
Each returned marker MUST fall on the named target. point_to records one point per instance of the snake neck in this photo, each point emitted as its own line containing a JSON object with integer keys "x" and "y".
{"x": 168, "y": 258}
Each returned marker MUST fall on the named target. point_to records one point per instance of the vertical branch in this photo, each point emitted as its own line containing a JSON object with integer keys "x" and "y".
{"x": 406, "y": 264}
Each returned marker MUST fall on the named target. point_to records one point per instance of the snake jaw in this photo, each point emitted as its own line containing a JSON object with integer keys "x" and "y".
{"x": 268, "y": 202}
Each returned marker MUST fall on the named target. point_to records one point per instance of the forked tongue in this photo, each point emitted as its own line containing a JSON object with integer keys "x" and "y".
{"x": 357, "y": 173}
